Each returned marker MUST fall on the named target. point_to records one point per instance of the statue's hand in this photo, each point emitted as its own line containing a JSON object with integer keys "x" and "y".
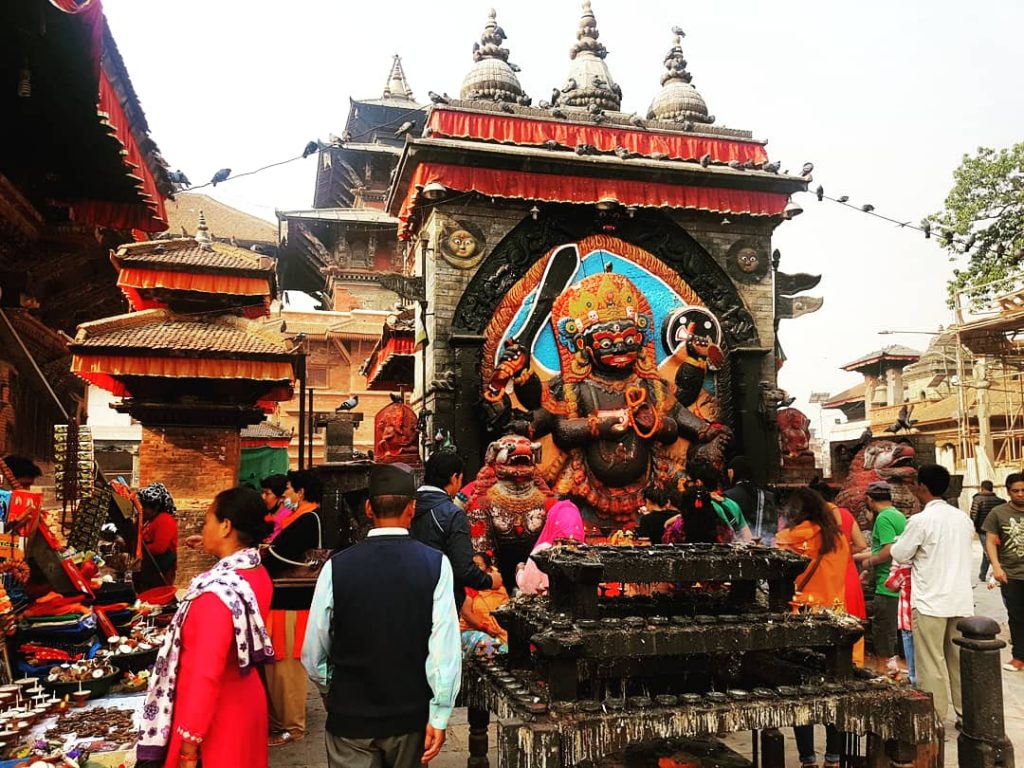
{"x": 513, "y": 361}
{"x": 645, "y": 417}
{"x": 614, "y": 423}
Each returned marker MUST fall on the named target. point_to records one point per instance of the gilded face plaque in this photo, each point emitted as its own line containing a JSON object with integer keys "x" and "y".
{"x": 746, "y": 263}
{"x": 462, "y": 244}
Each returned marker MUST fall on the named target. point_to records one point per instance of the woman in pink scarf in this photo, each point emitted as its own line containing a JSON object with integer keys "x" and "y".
{"x": 563, "y": 522}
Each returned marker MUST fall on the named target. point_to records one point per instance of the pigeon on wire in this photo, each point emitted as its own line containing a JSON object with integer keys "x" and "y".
{"x": 311, "y": 149}
{"x": 405, "y": 127}
{"x": 219, "y": 176}
{"x": 843, "y": 199}
{"x": 820, "y": 193}
{"x": 926, "y": 227}
{"x": 867, "y": 207}
{"x": 348, "y": 405}
{"x": 178, "y": 177}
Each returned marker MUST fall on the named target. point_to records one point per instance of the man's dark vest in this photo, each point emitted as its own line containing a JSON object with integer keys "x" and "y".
{"x": 383, "y": 613}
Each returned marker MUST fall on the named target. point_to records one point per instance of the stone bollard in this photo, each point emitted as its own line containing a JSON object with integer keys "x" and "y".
{"x": 982, "y": 742}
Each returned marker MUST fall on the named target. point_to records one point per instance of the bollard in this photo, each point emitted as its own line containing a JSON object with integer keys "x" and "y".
{"x": 982, "y": 742}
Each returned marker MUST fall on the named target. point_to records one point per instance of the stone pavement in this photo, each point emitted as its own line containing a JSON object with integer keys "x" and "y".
{"x": 310, "y": 752}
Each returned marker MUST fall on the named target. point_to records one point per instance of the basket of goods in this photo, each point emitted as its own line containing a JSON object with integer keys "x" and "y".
{"x": 133, "y": 653}
{"x": 93, "y": 677}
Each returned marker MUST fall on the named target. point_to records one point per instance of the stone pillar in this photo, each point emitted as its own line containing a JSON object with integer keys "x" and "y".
{"x": 986, "y": 447}
{"x": 339, "y": 436}
{"x": 870, "y": 382}
{"x": 893, "y": 386}
{"x": 982, "y": 742}
{"x": 195, "y": 463}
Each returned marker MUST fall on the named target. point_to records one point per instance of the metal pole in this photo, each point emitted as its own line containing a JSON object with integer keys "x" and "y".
{"x": 312, "y": 427}
{"x": 301, "y": 366}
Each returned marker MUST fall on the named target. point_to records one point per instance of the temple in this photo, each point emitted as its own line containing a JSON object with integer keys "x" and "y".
{"x": 509, "y": 208}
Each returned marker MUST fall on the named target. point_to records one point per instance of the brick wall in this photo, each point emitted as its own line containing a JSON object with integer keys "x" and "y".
{"x": 195, "y": 463}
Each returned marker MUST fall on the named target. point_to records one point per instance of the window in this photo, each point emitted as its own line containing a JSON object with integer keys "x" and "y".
{"x": 316, "y": 376}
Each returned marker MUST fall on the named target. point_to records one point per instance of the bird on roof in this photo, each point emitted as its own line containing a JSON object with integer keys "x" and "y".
{"x": 506, "y": 107}
{"x": 405, "y": 127}
{"x": 570, "y": 85}
{"x": 311, "y": 148}
{"x": 843, "y": 199}
{"x": 544, "y": 104}
{"x": 397, "y": 397}
{"x": 736, "y": 165}
{"x": 551, "y": 144}
{"x": 658, "y": 156}
{"x": 705, "y": 160}
{"x": 638, "y": 121}
{"x": 772, "y": 167}
{"x": 347, "y": 405}
{"x": 624, "y": 154}
{"x": 806, "y": 169}
{"x": 556, "y": 112}
{"x": 179, "y": 177}
{"x": 219, "y": 176}
{"x": 903, "y": 420}
{"x": 749, "y": 165}
{"x": 586, "y": 149}
{"x": 820, "y": 193}
{"x": 678, "y": 31}
{"x": 437, "y": 98}
{"x": 514, "y": 67}
{"x": 867, "y": 207}
{"x": 555, "y": 94}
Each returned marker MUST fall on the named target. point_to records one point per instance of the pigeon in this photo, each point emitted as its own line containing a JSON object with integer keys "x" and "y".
{"x": 598, "y": 117}
{"x": 397, "y": 397}
{"x": 820, "y": 193}
{"x": 867, "y": 207}
{"x": 570, "y": 85}
{"x": 348, "y": 405}
{"x": 636, "y": 120}
{"x": 551, "y": 144}
{"x": 903, "y": 420}
{"x": 219, "y": 176}
{"x": 705, "y": 160}
{"x": 405, "y": 127}
{"x": 678, "y": 31}
{"x": 772, "y": 167}
{"x": 807, "y": 168}
{"x": 437, "y": 98}
{"x": 926, "y": 227}
{"x": 736, "y": 165}
{"x": 556, "y": 112}
{"x": 310, "y": 149}
{"x": 749, "y": 165}
{"x": 515, "y": 67}
{"x": 179, "y": 177}
{"x": 658, "y": 156}
{"x": 586, "y": 149}
{"x": 544, "y": 104}
{"x": 843, "y": 199}
{"x": 593, "y": 109}
{"x": 506, "y": 107}
{"x": 555, "y": 93}
{"x": 624, "y": 154}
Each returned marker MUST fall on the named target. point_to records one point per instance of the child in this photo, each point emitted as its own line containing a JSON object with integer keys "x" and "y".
{"x": 482, "y": 635}
{"x": 899, "y": 580}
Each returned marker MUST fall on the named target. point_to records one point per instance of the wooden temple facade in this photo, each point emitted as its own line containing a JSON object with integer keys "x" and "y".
{"x": 79, "y": 175}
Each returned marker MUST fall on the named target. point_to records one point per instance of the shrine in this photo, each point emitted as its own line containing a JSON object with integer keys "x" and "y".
{"x": 191, "y": 362}
{"x": 603, "y": 280}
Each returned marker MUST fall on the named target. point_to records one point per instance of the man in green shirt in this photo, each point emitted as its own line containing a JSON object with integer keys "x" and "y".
{"x": 1004, "y": 542}
{"x": 888, "y": 523}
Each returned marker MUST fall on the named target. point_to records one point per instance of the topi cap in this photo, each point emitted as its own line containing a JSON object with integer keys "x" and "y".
{"x": 392, "y": 480}
{"x": 879, "y": 488}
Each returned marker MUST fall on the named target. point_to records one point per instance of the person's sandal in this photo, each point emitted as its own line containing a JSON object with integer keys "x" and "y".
{"x": 280, "y": 739}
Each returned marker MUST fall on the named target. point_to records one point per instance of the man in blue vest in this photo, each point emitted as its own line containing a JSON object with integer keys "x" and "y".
{"x": 382, "y": 643}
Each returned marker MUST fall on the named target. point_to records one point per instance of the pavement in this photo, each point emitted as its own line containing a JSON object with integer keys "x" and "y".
{"x": 310, "y": 752}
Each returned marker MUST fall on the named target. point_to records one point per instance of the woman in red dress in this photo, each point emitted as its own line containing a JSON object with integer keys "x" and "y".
{"x": 160, "y": 536}
{"x": 204, "y": 699}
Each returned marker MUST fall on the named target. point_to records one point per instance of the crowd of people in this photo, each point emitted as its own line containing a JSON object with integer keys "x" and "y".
{"x": 383, "y": 632}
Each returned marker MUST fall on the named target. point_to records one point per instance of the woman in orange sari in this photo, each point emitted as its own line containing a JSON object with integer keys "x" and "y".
{"x": 299, "y": 532}
{"x": 813, "y": 531}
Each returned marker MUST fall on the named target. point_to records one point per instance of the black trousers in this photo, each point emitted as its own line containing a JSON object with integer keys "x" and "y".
{"x": 1013, "y": 596}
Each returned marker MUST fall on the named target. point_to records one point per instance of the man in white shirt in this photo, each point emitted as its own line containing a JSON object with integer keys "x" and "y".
{"x": 937, "y": 544}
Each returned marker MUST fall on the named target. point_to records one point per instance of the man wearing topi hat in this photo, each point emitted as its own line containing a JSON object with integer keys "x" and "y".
{"x": 382, "y": 643}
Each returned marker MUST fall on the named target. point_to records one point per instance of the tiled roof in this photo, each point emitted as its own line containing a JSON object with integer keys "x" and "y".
{"x": 223, "y": 220}
{"x": 851, "y": 395}
{"x": 159, "y": 330}
{"x": 892, "y": 352}
{"x": 186, "y": 253}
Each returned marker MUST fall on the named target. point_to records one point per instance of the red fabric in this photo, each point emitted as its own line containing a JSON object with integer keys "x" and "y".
{"x": 533, "y": 132}
{"x": 148, "y": 215}
{"x": 214, "y": 699}
{"x": 398, "y": 344}
{"x": 855, "y": 605}
{"x": 899, "y": 581}
{"x": 523, "y": 185}
{"x": 161, "y": 534}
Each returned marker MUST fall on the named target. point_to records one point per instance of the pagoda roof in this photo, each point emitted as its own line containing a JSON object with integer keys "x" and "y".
{"x": 223, "y": 221}
{"x": 854, "y": 394}
{"x": 189, "y": 255}
{"x": 265, "y": 431}
{"x": 391, "y": 363}
{"x": 160, "y": 332}
{"x": 895, "y": 353}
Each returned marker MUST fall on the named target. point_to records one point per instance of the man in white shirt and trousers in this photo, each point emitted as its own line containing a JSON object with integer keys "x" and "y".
{"x": 937, "y": 544}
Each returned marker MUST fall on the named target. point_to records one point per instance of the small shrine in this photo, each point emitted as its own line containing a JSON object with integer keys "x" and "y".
{"x": 190, "y": 362}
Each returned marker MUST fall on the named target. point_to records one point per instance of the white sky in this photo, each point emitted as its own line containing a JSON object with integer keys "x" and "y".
{"x": 883, "y": 97}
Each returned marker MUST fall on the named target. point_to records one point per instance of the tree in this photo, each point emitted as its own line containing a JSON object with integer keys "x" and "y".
{"x": 983, "y": 222}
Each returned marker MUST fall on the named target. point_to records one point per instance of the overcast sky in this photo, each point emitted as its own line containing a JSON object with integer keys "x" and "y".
{"x": 883, "y": 97}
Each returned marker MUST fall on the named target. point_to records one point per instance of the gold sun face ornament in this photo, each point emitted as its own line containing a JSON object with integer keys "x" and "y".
{"x": 462, "y": 244}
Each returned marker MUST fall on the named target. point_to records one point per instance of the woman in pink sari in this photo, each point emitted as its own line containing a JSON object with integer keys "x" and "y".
{"x": 563, "y": 522}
